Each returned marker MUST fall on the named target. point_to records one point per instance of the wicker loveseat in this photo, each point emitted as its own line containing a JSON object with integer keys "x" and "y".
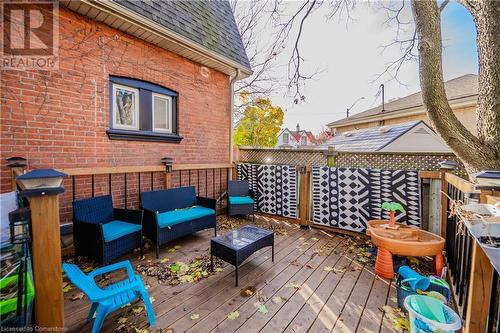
{"x": 174, "y": 213}
{"x": 104, "y": 233}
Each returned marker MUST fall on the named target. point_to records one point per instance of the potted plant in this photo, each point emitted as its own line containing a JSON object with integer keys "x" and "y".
{"x": 392, "y": 207}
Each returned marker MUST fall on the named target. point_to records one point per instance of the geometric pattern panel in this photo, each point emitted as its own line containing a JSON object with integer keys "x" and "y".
{"x": 347, "y": 198}
{"x": 275, "y": 187}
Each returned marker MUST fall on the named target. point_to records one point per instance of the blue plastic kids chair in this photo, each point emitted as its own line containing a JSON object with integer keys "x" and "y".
{"x": 104, "y": 301}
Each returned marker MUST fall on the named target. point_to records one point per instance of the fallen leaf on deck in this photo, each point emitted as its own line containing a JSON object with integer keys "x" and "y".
{"x": 194, "y": 316}
{"x": 67, "y": 288}
{"x": 233, "y": 315}
{"x": 137, "y": 310}
{"x": 122, "y": 320}
{"x": 278, "y": 299}
{"x": 262, "y": 308}
{"x": 294, "y": 285}
{"x": 164, "y": 260}
{"x": 171, "y": 250}
{"x": 310, "y": 266}
{"x": 247, "y": 291}
{"x": 301, "y": 238}
{"x": 314, "y": 239}
{"x": 328, "y": 269}
{"x": 177, "y": 247}
{"x": 339, "y": 270}
{"x": 152, "y": 299}
{"x": 186, "y": 279}
{"x": 77, "y": 296}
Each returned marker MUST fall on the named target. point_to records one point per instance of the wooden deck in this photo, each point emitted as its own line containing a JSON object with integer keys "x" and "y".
{"x": 297, "y": 291}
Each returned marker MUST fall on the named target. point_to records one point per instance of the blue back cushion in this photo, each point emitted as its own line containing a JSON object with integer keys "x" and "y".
{"x": 237, "y": 188}
{"x": 94, "y": 210}
{"x": 167, "y": 200}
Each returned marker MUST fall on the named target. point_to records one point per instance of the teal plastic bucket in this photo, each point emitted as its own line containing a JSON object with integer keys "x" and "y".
{"x": 428, "y": 314}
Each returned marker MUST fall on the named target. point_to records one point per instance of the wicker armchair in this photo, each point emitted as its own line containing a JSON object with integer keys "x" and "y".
{"x": 104, "y": 233}
{"x": 240, "y": 198}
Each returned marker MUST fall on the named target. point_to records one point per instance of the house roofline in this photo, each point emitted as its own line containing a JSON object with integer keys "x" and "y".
{"x": 226, "y": 65}
{"x": 462, "y": 101}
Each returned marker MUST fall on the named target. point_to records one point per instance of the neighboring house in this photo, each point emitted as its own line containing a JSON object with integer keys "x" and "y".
{"x": 295, "y": 139}
{"x": 414, "y": 136}
{"x": 462, "y": 95}
{"x": 137, "y": 81}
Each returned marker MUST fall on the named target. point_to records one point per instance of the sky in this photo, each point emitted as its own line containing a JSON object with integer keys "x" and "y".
{"x": 350, "y": 56}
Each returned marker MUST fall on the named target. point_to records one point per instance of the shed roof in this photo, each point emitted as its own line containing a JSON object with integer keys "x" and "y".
{"x": 369, "y": 139}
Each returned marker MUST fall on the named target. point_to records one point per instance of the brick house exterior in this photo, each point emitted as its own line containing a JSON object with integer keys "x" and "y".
{"x": 59, "y": 119}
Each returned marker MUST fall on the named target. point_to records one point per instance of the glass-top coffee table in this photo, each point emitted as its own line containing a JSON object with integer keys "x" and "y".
{"x": 235, "y": 246}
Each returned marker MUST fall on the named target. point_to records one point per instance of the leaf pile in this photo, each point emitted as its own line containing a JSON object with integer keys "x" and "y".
{"x": 225, "y": 223}
{"x": 397, "y": 316}
{"x": 361, "y": 246}
{"x": 180, "y": 272}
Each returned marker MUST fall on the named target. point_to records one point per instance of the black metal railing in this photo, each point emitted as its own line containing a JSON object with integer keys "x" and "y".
{"x": 459, "y": 244}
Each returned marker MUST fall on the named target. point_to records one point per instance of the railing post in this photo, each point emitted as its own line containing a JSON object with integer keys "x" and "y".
{"x": 234, "y": 172}
{"x": 478, "y": 303}
{"x": 445, "y": 167}
{"x": 304, "y": 190}
{"x": 17, "y": 166}
{"x": 49, "y": 302}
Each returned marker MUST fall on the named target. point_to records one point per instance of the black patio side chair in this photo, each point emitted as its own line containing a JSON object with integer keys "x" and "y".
{"x": 104, "y": 233}
{"x": 240, "y": 198}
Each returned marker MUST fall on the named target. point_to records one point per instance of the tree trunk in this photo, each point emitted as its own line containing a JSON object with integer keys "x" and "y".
{"x": 481, "y": 152}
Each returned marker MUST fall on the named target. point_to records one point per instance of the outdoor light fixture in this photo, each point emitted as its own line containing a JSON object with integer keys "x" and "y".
{"x": 448, "y": 165}
{"x": 168, "y": 161}
{"x": 19, "y": 223}
{"x": 488, "y": 180}
{"x": 16, "y": 162}
{"x": 41, "y": 182}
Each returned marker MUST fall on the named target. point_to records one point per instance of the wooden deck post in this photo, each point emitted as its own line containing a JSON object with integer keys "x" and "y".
{"x": 481, "y": 278}
{"x": 49, "y": 302}
{"x": 168, "y": 179}
{"x": 234, "y": 172}
{"x": 304, "y": 190}
{"x": 444, "y": 201}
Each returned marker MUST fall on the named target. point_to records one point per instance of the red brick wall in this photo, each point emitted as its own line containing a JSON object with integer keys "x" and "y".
{"x": 59, "y": 118}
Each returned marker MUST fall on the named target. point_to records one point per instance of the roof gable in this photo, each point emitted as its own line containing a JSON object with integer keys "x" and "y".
{"x": 210, "y": 24}
{"x": 463, "y": 86}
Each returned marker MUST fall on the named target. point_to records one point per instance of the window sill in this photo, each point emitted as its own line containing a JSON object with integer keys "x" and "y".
{"x": 130, "y": 135}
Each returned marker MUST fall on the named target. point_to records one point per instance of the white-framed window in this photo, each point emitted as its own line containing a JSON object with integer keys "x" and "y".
{"x": 162, "y": 113}
{"x": 303, "y": 141}
{"x": 125, "y": 107}
{"x": 286, "y": 138}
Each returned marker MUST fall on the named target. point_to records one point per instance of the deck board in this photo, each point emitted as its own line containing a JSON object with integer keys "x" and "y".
{"x": 327, "y": 301}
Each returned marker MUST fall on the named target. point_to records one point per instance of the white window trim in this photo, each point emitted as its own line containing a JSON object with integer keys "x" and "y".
{"x": 288, "y": 138}
{"x": 169, "y": 111}
{"x": 136, "y": 114}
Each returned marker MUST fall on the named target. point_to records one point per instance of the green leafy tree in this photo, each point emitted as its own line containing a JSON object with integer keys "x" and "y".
{"x": 260, "y": 124}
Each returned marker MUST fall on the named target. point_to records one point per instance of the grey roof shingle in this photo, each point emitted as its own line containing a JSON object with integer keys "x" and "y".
{"x": 466, "y": 85}
{"x": 211, "y": 24}
{"x": 369, "y": 139}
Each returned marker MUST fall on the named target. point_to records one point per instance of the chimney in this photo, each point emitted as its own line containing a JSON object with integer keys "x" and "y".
{"x": 298, "y": 128}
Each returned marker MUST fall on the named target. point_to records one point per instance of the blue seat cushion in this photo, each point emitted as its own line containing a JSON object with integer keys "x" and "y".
{"x": 177, "y": 216}
{"x": 116, "y": 229}
{"x": 240, "y": 200}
